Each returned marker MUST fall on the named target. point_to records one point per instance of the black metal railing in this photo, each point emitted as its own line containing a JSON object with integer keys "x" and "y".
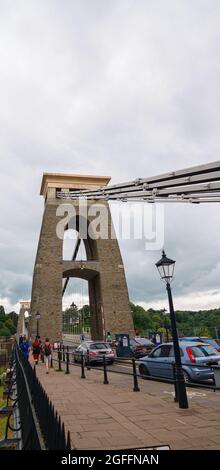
{"x": 70, "y": 357}
{"x": 38, "y": 426}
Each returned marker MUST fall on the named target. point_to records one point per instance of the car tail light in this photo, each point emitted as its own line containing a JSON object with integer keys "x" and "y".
{"x": 218, "y": 349}
{"x": 190, "y": 354}
{"x": 92, "y": 353}
{"x": 140, "y": 348}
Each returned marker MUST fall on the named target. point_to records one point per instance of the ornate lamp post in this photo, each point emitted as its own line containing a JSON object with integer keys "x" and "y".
{"x": 38, "y": 318}
{"x": 165, "y": 313}
{"x": 165, "y": 267}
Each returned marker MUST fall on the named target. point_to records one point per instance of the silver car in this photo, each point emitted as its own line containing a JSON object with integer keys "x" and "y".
{"x": 93, "y": 351}
{"x": 196, "y": 359}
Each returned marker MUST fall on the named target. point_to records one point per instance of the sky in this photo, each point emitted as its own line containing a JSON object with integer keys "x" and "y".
{"x": 127, "y": 88}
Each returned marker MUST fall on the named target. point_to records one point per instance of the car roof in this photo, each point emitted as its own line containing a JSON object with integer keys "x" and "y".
{"x": 186, "y": 343}
{"x": 188, "y": 338}
{"x": 194, "y": 343}
{"x": 94, "y": 342}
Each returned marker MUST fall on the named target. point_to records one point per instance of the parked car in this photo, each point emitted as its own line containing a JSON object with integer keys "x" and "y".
{"x": 141, "y": 346}
{"x": 93, "y": 351}
{"x": 202, "y": 339}
{"x": 193, "y": 355}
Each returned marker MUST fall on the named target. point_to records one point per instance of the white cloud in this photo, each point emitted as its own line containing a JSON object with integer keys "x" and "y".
{"x": 126, "y": 88}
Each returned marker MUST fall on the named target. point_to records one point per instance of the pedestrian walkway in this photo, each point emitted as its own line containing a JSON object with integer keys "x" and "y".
{"x": 111, "y": 416}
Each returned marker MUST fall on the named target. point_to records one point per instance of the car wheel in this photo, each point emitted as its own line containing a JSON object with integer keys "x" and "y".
{"x": 143, "y": 370}
{"x": 186, "y": 376}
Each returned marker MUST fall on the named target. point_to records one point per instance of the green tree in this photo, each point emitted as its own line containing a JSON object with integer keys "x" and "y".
{"x": 14, "y": 317}
{"x": 141, "y": 318}
{"x": 2, "y": 313}
{"x": 10, "y": 325}
{"x": 5, "y": 331}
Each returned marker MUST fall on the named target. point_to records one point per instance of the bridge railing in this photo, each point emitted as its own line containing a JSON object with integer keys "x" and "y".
{"x": 38, "y": 426}
{"x": 68, "y": 356}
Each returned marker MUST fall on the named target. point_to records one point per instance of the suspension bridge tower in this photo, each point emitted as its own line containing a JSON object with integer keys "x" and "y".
{"x": 103, "y": 267}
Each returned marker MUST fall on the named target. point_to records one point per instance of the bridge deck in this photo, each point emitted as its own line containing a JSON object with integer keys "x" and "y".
{"x": 114, "y": 417}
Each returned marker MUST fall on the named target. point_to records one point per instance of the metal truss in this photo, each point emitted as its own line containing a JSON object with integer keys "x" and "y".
{"x": 199, "y": 184}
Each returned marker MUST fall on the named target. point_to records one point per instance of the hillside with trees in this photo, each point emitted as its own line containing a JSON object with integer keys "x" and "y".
{"x": 8, "y": 322}
{"x": 189, "y": 323}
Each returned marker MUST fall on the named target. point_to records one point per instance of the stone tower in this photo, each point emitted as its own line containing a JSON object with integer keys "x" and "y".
{"x": 103, "y": 268}
{"x": 23, "y": 322}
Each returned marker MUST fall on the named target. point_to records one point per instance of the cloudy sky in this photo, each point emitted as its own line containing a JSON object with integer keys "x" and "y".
{"x": 127, "y": 88}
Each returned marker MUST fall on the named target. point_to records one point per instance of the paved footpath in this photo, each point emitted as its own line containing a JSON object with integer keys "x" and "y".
{"x": 111, "y": 416}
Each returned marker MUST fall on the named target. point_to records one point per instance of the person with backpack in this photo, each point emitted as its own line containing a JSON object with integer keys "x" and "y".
{"x": 41, "y": 349}
{"x": 47, "y": 354}
{"x": 36, "y": 350}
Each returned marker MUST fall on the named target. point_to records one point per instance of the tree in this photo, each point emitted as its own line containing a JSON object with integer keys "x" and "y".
{"x": 14, "y": 317}
{"x": 5, "y": 331}
{"x": 141, "y": 318}
{"x": 2, "y": 313}
{"x": 10, "y": 325}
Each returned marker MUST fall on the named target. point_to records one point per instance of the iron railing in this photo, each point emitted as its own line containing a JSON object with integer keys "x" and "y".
{"x": 65, "y": 353}
{"x": 38, "y": 426}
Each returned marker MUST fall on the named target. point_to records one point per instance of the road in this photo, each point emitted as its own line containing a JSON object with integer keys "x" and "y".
{"x": 116, "y": 375}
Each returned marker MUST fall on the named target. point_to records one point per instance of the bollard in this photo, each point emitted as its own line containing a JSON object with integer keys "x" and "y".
{"x": 67, "y": 360}
{"x": 82, "y": 367}
{"x": 105, "y": 371}
{"x": 175, "y": 384}
{"x": 136, "y": 388}
{"x": 51, "y": 361}
{"x": 64, "y": 354}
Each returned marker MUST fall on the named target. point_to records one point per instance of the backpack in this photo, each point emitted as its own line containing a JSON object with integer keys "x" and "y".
{"x": 36, "y": 349}
{"x": 47, "y": 350}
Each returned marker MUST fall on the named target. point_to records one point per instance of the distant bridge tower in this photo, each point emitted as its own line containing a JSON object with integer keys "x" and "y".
{"x": 103, "y": 268}
{"x": 23, "y": 318}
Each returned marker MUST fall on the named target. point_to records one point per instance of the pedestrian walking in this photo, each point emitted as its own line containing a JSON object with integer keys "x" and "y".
{"x": 41, "y": 349}
{"x": 24, "y": 347}
{"x": 109, "y": 338}
{"x": 36, "y": 350}
{"x": 47, "y": 354}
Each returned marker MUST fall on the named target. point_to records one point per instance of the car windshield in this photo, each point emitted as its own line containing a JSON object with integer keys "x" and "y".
{"x": 203, "y": 350}
{"x": 99, "y": 346}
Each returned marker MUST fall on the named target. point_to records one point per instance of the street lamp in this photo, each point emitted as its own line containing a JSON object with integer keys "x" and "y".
{"x": 165, "y": 313}
{"x": 38, "y": 318}
{"x": 165, "y": 267}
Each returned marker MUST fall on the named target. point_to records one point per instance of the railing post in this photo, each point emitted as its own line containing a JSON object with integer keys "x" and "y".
{"x": 63, "y": 353}
{"x": 82, "y": 367}
{"x": 136, "y": 388}
{"x": 67, "y": 360}
{"x": 175, "y": 384}
{"x": 42, "y": 355}
{"x": 105, "y": 371}
{"x": 59, "y": 359}
{"x": 88, "y": 361}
